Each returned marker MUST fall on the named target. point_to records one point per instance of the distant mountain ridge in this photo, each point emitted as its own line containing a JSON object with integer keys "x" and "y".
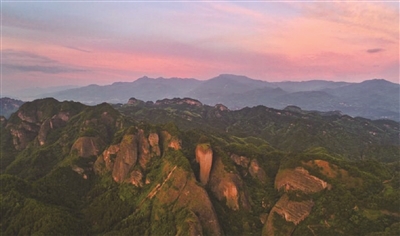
{"x": 373, "y": 99}
{"x": 9, "y": 106}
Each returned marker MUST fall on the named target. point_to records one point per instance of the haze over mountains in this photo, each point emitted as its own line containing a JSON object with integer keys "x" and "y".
{"x": 373, "y": 99}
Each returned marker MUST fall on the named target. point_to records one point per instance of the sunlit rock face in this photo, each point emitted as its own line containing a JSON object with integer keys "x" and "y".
{"x": 171, "y": 141}
{"x": 228, "y": 186}
{"x": 204, "y": 157}
{"x": 87, "y": 146}
{"x": 299, "y": 179}
{"x": 154, "y": 144}
{"x": 143, "y": 149}
{"x": 126, "y": 157}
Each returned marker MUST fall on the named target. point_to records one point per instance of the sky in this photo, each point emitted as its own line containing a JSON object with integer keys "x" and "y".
{"x": 55, "y": 43}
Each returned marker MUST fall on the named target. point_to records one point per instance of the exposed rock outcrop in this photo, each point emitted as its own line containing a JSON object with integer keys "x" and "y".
{"x": 221, "y": 107}
{"x": 257, "y": 172}
{"x": 228, "y": 186}
{"x": 292, "y": 211}
{"x": 134, "y": 101}
{"x": 171, "y": 141}
{"x": 87, "y": 146}
{"x": 240, "y": 160}
{"x": 57, "y": 121}
{"x": 185, "y": 192}
{"x": 179, "y": 101}
{"x": 126, "y": 157}
{"x": 154, "y": 144}
{"x": 204, "y": 156}
{"x": 299, "y": 179}
{"x": 136, "y": 178}
{"x": 22, "y": 136}
{"x": 143, "y": 149}
{"x": 120, "y": 159}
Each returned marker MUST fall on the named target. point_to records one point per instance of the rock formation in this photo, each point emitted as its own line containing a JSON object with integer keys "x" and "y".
{"x": 291, "y": 211}
{"x": 299, "y": 179}
{"x": 136, "y": 178}
{"x": 171, "y": 141}
{"x": 179, "y": 101}
{"x": 228, "y": 186}
{"x": 126, "y": 157}
{"x": 57, "y": 121}
{"x": 120, "y": 159}
{"x": 204, "y": 156}
{"x": 154, "y": 144}
{"x": 143, "y": 149}
{"x": 184, "y": 192}
{"x": 87, "y": 146}
{"x": 257, "y": 172}
{"x": 240, "y": 160}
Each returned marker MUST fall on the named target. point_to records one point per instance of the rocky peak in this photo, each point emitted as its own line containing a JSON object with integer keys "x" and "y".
{"x": 221, "y": 107}
{"x": 179, "y": 101}
{"x": 204, "y": 156}
{"x": 121, "y": 159}
{"x": 229, "y": 186}
{"x": 134, "y": 101}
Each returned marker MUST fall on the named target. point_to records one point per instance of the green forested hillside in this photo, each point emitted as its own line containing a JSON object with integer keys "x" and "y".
{"x": 134, "y": 169}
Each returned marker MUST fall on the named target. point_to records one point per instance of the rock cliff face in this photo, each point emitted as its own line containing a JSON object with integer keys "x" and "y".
{"x": 37, "y": 119}
{"x": 87, "y": 146}
{"x": 299, "y": 179}
{"x": 154, "y": 142}
{"x": 171, "y": 141}
{"x": 293, "y": 211}
{"x": 251, "y": 167}
{"x": 228, "y": 186}
{"x": 57, "y": 121}
{"x": 143, "y": 149}
{"x": 257, "y": 172}
{"x": 184, "y": 192}
{"x": 126, "y": 158}
{"x": 204, "y": 156}
{"x": 121, "y": 159}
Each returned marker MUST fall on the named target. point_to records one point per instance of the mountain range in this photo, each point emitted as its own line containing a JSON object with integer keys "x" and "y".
{"x": 373, "y": 99}
{"x": 180, "y": 167}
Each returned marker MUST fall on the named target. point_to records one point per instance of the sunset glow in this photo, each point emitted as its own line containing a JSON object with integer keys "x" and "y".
{"x": 79, "y": 43}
